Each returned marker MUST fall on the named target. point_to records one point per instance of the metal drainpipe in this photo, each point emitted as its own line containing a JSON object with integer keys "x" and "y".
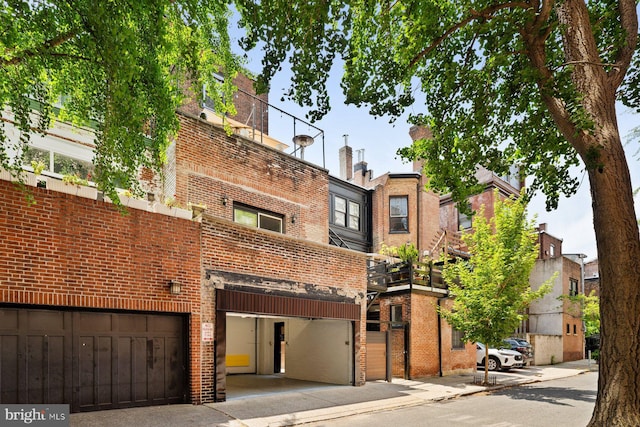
{"x": 418, "y": 217}
{"x": 407, "y": 354}
{"x": 439, "y": 340}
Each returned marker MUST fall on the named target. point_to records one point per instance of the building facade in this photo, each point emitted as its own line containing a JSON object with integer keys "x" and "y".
{"x": 554, "y": 324}
{"x": 103, "y": 310}
{"x": 402, "y": 300}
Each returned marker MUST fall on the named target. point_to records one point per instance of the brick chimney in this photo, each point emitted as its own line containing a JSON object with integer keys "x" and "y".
{"x": 417, "y": 133}
{"x": 420, "y": 132}
{"x": 346, "y": 162}
{"x": 361, "y": 174}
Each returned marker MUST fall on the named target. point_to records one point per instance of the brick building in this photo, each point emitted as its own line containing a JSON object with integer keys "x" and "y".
{"x": 90, "y": 300}
{"x": 265, "y": 253}
{"x": 401, "y": 310}
{"x": 403, "y": 299}
{"x": 591, "y": 278}
{"x": 85, "y": 302}
{"x": 554, "y": 325}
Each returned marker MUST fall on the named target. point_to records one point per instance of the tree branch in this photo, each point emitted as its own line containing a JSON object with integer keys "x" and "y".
{"x": 535, "y": 36}
{"x": 598, "y": 64}
{"x": 46, "y": 46}
{"x": 629, "y": 22}
{"x": 486, "y": 13}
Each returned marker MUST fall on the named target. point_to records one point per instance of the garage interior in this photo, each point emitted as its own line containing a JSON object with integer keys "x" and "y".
{"x": 290, "y": 337}
{"x": 318, "y": 350}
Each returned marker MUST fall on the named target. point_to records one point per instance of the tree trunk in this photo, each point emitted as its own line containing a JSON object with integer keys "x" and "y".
{"x": 614, "y": 217}
{"x": 486, "y": 365}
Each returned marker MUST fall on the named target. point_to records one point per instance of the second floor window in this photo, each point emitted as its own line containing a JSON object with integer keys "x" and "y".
{"x": 464, "y": 221}
{"x": 398, "y": 214}
{"x": 354, "y": 215}
{"x": 346, "y": 213}
{"x": 573, "y": 287}
{"x": 62, "y": 164}
{"x": 257, "y": 218}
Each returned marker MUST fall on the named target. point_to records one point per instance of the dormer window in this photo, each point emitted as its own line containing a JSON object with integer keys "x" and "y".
{"x": 346, "y": 213}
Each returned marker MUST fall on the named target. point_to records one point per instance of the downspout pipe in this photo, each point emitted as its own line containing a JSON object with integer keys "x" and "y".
{"x": 439, "y": 339}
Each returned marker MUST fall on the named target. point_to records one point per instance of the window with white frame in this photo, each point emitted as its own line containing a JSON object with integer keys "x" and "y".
{"x": 346, "y": 213}
{"x": 60, "y": 164}
{"x": 340, "y": 211}
{"x": 398, "y": 214}
{"x": 354, "y": 215}
{"x": 66, "y": 151}
{"x": 257, "y": 218}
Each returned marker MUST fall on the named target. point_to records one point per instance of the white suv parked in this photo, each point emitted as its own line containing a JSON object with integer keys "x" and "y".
{"x": 498, "y": 359}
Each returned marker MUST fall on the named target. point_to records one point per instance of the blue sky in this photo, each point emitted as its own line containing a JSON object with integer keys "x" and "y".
{"x": 572, "y": 221}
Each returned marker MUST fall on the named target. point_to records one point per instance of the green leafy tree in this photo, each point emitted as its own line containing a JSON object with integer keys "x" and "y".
{"x": 491, "y": 290}
{"x": 407, "y": 252}
{"x": 588, "y": 308}
{"x": 121, "y": 67}
{"x": 532, "y": 83}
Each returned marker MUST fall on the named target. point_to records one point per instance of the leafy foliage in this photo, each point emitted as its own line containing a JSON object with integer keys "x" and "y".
{"x": 530, "y": 84}
{"x": 501, "y": 83}
{"x": 587, "y": 307}
{"x": 407, "y": 252}
{"x": 120, "y": 67}
{"x": 491, "y": 290}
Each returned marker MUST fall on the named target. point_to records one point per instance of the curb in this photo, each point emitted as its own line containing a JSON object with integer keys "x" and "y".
{"x": 335, "y": 412}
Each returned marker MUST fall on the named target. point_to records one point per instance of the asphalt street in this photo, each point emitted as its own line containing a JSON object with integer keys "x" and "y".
{"x": 567, "y": 402}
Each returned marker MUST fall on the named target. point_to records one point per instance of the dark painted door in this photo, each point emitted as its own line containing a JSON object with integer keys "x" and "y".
{"x": 35, "y": 356}
{"x": 278, "y": 344}
{"x": 91, "y": 360}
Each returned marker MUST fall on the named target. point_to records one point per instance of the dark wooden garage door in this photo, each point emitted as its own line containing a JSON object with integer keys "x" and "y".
{"x": 91, "y": 360}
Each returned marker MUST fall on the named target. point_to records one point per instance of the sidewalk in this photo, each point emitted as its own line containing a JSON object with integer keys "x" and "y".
{"x": 289, "y": 408}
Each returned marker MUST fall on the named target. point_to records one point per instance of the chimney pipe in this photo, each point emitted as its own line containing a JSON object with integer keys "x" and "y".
{"x": 346, "y": 161}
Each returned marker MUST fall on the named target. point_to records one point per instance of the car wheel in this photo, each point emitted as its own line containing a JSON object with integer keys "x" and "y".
{"x": 494, "y": 363}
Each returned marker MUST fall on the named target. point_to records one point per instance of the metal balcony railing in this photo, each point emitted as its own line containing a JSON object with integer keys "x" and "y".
{"x": 270, "y": 125}
{"x": 382, "y": 276}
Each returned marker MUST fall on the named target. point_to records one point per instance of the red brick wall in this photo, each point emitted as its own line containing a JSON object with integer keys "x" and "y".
{"x": 420, "y": 311}
{"x": 424, "y": 336}
{"x": 248, "y": 110}
{"x": 573, "y": 344}
{"x": 423, "y": 212}
{"x": 285, "y": 265}
{"x": 545, "y": 241}
{"x": 211, "y": 164}
{"x": 67, "y": 251}
{"x": 449, "y": 211}
{"x": 397, "y": 334}
{"x": 455, "y": 360}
